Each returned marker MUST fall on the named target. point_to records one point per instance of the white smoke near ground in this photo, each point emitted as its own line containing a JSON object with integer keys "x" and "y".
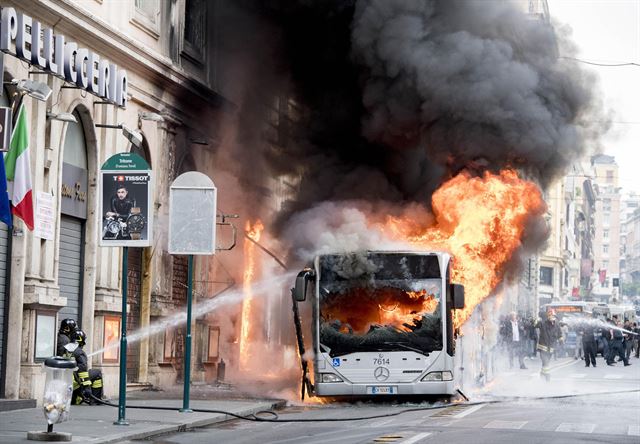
{"x": 202, "y": 308}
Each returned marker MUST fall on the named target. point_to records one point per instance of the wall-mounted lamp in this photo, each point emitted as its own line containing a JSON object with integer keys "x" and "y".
{"x": 133, "y": 136}
{"x": 63, "y": 117}
{"x": 198, "y": 141}
{"x": 145, "y": 115}
{"x": 37, "y": 90}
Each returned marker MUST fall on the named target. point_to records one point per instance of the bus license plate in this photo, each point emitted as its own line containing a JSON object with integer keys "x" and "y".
{"x": 382, "y": 390}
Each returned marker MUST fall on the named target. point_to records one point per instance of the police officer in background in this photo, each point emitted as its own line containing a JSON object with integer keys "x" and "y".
{"x": 67, "y": 328}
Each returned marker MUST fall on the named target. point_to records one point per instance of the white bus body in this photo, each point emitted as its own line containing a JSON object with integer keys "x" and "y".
{"x": 415, "y": 358}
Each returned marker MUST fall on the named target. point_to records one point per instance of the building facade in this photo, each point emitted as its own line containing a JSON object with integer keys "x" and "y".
{"x": 552, "y": 261}
{"x": 158, "y": 65}
{"x": 606, "y": 242}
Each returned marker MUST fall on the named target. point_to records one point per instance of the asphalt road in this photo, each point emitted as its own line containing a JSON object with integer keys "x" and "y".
{"x": 579, "y": 405}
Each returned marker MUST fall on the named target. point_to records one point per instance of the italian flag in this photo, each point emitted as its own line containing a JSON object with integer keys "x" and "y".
{"x": 17, "y": 165}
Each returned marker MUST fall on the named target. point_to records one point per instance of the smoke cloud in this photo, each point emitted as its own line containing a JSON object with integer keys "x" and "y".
{"x": 396, "y": 96}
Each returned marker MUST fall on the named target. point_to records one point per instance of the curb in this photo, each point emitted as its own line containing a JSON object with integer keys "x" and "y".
{"x": 187, "y": 425}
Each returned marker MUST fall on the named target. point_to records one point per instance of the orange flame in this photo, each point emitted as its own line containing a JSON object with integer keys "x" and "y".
{"x": 480, "y": 221}
{"x": 249, "y": 274}
{"x": 395, "y": 307}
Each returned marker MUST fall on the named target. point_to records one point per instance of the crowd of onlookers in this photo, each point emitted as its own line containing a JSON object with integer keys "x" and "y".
{"x": 611, "y": 338}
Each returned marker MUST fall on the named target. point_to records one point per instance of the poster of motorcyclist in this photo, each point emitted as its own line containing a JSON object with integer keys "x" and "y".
{"x": 125, "y": 208}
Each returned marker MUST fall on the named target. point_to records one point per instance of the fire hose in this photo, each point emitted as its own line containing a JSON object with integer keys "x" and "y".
{"x": 275, "y": 418}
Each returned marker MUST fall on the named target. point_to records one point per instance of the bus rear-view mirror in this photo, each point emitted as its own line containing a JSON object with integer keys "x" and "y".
{"x": 302, "y": 281}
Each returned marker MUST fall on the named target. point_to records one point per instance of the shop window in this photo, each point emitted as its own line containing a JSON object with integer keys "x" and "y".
{"x": 213, "y": 344}
{"x": 195, "y": 12}
{"x": 546, "y": 276}
{"x": 111, "y": 335}
{"x": 146, "y": 15}
{"x": 170, "y": 338}
{"x": 45, "y": 335}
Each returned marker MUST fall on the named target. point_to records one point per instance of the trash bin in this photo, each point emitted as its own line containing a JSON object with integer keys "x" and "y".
{"x": 56, "y": 402}
{"x": 58, "y": 388}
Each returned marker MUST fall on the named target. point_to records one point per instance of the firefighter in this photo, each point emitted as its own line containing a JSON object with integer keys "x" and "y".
{"x": 67, "y": 328}
{"x": 550, "y": 334}
{"x": 87, "y": 384}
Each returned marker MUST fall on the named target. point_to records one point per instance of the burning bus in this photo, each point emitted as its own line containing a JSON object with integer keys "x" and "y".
{"x": 382, "y": 323}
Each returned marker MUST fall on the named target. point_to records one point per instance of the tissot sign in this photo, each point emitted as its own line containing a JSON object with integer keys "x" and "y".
{"x": 125, "y": 206}
{"x": 28, "y": 40}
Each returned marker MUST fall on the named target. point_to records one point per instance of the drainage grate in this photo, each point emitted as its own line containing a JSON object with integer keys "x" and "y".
{"x": 388, "y": 438}
{"x": 450, "y": 411}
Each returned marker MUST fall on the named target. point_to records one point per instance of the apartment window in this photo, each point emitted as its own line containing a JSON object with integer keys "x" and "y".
{"x": 45, "y": 335}
{"x": 606, "y": 218}
{"x": 146, "y": 16}
{"x": 605, "y": 248}
{"x": 609, "y": 176}
{"x": 173, "y": 344}
{"x": 605, "y": 265}
{"x": 605, "y": 234}
{"x": 212, "y": 339}
{"x": 111, "y": 337}
{"x": 546, "y": 276}
{"x": 195, "y": 12}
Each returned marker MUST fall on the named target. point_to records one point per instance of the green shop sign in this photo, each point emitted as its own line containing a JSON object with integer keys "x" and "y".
{"x": 125, "y": 161}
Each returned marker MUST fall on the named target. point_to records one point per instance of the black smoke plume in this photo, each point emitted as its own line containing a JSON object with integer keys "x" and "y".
{"x": 395, "y": 96}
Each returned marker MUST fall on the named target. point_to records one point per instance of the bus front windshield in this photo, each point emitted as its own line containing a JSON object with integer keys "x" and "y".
{"x": 393, "y": 303}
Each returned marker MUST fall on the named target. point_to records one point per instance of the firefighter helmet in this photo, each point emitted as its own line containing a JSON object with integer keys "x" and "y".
{"x": 68, "y": 326}
{"x": 80, "y": 337}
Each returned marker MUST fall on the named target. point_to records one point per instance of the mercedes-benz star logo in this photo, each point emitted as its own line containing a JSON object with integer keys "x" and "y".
{"x": 381, "y": 373}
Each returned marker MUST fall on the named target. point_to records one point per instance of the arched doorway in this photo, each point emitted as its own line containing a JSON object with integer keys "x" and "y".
{"x": 73, "y": 215}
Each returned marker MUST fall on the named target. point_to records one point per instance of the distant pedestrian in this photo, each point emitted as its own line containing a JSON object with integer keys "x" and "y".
{"x": 628, "y": 339}
{"x": 636, "y": 330}
{"x": 589, "y": 344}
{"x": 515, "y": 338}
{"x": 605, "y": 337}
{"x": 578, "y": 354}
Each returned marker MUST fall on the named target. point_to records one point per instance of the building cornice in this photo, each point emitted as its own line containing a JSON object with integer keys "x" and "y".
{"x": 93, "y": 32}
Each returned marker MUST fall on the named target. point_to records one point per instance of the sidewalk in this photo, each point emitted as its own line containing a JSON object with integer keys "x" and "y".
{"x": 94, "y": 424}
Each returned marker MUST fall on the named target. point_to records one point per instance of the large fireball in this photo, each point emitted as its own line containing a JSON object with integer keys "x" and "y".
{"x": 481, "y": 222}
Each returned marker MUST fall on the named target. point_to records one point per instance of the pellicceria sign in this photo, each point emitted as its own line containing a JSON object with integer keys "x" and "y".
{"x": 26, "y": 39}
